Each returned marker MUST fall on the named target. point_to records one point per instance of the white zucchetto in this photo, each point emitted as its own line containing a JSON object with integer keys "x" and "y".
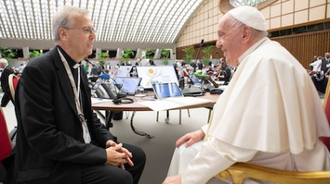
{"x": 249, "y": 16}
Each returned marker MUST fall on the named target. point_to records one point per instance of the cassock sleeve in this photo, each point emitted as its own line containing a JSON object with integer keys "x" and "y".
{"x": 205, "y": 128}
{"x": 215, "y": 156}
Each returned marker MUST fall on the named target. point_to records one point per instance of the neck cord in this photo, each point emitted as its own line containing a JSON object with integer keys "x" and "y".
{"x": 76, "y": 92}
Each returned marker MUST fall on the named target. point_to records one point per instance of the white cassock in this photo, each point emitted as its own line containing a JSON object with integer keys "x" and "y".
{"x": 270, "y": 115}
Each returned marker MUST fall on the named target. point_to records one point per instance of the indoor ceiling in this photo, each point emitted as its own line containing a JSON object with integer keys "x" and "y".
{"x": 128, "y": 21}
{"x": 237, "y": 3}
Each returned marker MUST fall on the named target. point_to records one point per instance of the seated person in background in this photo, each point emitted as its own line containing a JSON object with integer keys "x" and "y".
{"x": 105, "y": 76}
{"x": 225, "y": 73}
{"x": 210, "y": 71}
{"x": 314, "y": 59}
{"x": 255, "y": 120}
{"x": 21, "y": 67}
{"x": 184, "y": 69}
{"x": 210, "y": 64}
{"x": 133, "y": 72}
{"x": 96, "y": 70}
{"x": 124, "y": 63}
{"x": 199, "y": 65}
{"x": 87, "y": 68}
{"x": 6, "y": 71}
{"x": 325, "y": 63}
{"x": 151, "y": 63}
{"x": 138, "y": 62}
{"x": 193, "y": 65}
{"x": 318, "y": 75}
{"x": 316, "y": 65}
{"x": 59, "y": 138}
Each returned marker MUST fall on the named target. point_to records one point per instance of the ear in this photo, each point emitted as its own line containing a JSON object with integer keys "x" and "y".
{"x": 247, "y": 33}
{"x": 63, "y": 33}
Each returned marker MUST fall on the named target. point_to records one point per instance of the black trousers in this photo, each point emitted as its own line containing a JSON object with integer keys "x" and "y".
{"x": 321, "y": 85}
{"x": 100, "y": 174}
{"x": 96, "y": 174}
{"x": 5, "y": 99}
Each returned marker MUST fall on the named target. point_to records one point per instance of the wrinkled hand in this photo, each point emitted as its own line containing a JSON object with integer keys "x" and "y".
{"x": 190, "y": 138}
{"x": 172, "y": 180}
{"x": 117, "y": 155}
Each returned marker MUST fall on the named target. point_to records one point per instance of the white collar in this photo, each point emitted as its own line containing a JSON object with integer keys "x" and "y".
{"x": 251, "y": 49}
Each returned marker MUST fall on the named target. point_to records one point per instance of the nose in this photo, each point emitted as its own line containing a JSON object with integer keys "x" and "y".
{"x": 92, "y": 35}
{"x": 218, "y": 44}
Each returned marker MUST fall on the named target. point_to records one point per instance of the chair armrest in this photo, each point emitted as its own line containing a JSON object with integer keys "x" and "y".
{"x": 241, "y": 171}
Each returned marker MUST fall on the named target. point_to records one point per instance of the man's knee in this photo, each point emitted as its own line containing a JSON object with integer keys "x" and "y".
{"x": 122, "y": 177}
{"x": 139, "y": 157}
{"x": 106, "y": 174}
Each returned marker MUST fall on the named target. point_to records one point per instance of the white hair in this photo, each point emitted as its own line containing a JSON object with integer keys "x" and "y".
{"x": 3, "y": 61}
{"x": 65, "y": 18}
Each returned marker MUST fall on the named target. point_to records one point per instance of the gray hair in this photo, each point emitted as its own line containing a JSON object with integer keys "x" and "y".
{"x": 256, "y": 33}
{"x": 64, "y": 18}
{"x": 3, "y": 61}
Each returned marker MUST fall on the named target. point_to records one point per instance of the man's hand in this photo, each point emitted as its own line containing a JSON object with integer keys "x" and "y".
{"x": 117, "y": 155}
{"x": 190, "y": 138}
{"x": 172, "y": 180}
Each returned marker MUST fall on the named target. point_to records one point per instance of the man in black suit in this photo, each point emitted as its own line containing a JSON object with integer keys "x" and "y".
{"x": 60, "y": 139}
{"x": 4, "y": 82}
{"x": 325, "y": 65}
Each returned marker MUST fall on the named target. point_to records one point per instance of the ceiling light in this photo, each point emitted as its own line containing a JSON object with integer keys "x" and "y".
{"x": 254, "y": 3}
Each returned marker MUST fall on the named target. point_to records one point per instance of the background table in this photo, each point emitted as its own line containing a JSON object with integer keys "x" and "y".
{"x": 110, "y": 107}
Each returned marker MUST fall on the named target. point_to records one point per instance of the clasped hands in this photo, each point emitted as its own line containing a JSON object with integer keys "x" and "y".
{"x": 117, "y": 155}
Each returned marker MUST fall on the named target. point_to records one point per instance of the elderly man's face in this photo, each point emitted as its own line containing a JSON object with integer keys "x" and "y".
{"x": 327, "y": 55}
{"x": 81, "y": 37}
{"x": 229, "y": 40}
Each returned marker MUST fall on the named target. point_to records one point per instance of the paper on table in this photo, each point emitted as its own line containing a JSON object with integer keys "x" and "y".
{"x": 170, "y": 103}
{"x": 98, "y": 100}
{"x": 160, "y": 105}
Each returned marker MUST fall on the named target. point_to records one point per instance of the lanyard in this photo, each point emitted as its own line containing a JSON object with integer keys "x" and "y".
{"x": 76, "y": 92}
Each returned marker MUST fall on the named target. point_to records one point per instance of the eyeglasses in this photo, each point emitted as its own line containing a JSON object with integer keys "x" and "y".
{"x": 86, "y": 30}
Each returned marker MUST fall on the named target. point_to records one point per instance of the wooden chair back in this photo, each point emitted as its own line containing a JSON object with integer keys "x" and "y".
{"x": 12, "y": 82}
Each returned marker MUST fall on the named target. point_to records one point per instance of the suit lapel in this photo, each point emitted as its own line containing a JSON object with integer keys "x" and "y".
{"x": 64, "y": 81}
{"x": 84, "y": 84}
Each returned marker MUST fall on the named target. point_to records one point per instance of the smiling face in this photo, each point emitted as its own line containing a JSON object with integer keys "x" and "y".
{"x": 230, "y": 39}
{"x": 77, "y": 40}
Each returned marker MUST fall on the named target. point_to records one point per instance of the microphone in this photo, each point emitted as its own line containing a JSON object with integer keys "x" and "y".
{"x": 89, "y": 62}
{"x": 199, "y": 49}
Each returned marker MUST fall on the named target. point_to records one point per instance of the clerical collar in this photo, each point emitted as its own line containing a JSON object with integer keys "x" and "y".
{"x": 70, "y": 61}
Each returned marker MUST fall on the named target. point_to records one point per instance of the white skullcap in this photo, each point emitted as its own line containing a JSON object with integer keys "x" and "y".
{"x": 249, "y": 16}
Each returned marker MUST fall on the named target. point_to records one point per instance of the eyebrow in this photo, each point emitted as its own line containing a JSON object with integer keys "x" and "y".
{"x": 221, "y": 33}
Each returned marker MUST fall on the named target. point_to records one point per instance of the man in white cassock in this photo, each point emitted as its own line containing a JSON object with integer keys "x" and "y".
{"x": 269, "y": 115}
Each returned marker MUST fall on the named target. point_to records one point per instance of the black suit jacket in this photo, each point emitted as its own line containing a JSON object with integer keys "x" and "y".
{"x": 50, "y": 142}
{"x": 324, "y": 63}
{"x": 5, "y": 87}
